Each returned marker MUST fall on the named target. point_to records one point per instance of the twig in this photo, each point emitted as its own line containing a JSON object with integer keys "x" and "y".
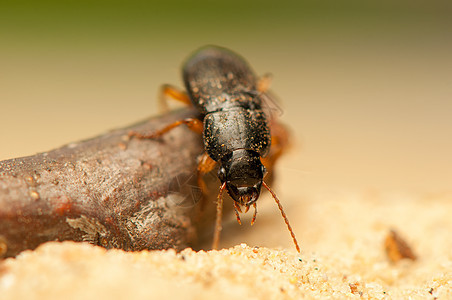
{"x": 112, "y": 190}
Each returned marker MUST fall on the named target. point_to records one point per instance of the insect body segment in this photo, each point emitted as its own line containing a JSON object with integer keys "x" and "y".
{"x": 217, "y": 79}
{"x": 236, "y": 128}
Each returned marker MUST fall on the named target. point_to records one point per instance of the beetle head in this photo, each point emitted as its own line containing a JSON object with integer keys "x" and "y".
{"x": 243, "y": 173}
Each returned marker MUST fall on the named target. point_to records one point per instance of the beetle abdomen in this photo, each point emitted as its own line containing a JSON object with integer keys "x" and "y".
{"x": 216, "y": 78}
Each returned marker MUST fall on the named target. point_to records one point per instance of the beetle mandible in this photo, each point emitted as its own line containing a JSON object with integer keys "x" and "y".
{"x": 236, "y": 133}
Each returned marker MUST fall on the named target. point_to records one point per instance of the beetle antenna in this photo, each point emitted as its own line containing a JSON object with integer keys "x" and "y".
{"x": 283, "y": 215}
{"x": 216, "y": 233}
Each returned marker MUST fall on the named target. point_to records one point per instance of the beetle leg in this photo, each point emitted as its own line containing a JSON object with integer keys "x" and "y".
{"x": 168, "y": 91}
{"x": 194, "y": 124}
{"x": 205, "y": 165}
{"x": 279, "y": 144}
{"x": 237, "y": 210}
{"x": 263, "y": 84}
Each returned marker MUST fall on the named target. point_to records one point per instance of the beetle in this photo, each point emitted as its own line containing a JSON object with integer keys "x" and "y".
{"x": 235, "y": 127}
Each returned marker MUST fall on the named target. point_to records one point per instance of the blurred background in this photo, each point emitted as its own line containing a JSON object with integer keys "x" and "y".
{"x": 365, "y": 86}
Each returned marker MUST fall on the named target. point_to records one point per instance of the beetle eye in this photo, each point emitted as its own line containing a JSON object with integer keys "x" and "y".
{"x": 222, "y": 174}
{"x": 264, "y": 170}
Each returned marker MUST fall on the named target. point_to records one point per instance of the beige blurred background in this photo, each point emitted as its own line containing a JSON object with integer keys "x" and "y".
{"x": 365, "y": 88}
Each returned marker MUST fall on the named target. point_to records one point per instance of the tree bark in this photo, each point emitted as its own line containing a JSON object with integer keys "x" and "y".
{"x": 112, "y": 190}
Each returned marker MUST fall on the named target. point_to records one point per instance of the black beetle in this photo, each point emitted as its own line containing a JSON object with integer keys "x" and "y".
{"x": 224, "y": 89}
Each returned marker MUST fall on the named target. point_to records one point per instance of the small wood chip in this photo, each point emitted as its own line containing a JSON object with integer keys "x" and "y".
{"x": 397, "y": 248}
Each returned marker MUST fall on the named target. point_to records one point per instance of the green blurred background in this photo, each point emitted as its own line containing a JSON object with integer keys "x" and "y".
{"x": 365, "y": 86}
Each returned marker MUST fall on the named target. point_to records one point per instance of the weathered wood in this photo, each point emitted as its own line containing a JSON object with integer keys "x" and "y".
{"x": 112, "y": 190}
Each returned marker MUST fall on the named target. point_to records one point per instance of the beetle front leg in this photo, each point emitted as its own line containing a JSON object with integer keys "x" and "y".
{"x": 279, "y": 144}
